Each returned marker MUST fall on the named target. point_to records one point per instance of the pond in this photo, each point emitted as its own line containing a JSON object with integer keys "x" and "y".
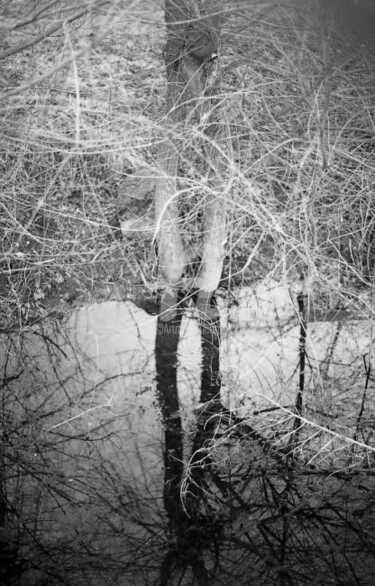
{"x": 231, "y": 447}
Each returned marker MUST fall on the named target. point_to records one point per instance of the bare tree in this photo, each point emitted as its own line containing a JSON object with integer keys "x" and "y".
{"x": 193, "y": 38}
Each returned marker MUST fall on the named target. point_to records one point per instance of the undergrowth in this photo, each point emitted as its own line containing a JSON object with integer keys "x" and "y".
{"x": 298, "y": 170}
{"x": 81, "y": 116}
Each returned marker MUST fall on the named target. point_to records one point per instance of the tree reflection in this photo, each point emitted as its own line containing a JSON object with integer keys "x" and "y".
{"x": 245, "y": 507}
{"x": 240, "y": 497}
{"x": 193, "y": 528}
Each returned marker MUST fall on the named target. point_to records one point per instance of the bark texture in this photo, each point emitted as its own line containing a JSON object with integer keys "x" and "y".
{"x": 192, "y": 37}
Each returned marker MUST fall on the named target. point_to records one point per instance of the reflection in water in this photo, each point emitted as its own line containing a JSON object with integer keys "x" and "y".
{"x": 249, "y": 463}
{"x": 193, "y": 528}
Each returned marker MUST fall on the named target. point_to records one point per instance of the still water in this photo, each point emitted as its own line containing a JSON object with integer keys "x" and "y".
{"x": 137, "y": 451}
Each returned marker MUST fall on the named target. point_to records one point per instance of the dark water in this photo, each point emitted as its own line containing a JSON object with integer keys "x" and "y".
{"x": 136, "y": 451}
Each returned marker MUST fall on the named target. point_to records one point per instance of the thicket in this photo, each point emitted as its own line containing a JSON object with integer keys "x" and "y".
{"x": 81, "y": 116}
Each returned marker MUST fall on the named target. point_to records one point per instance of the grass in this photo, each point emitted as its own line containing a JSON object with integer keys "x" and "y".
{"x": 297, "y": 170}
{"x": 67, "y": 144}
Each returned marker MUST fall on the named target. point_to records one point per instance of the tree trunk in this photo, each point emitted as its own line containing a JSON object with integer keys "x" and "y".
{"x": 192, "y": 38}
{"x": 214, "y": 237}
